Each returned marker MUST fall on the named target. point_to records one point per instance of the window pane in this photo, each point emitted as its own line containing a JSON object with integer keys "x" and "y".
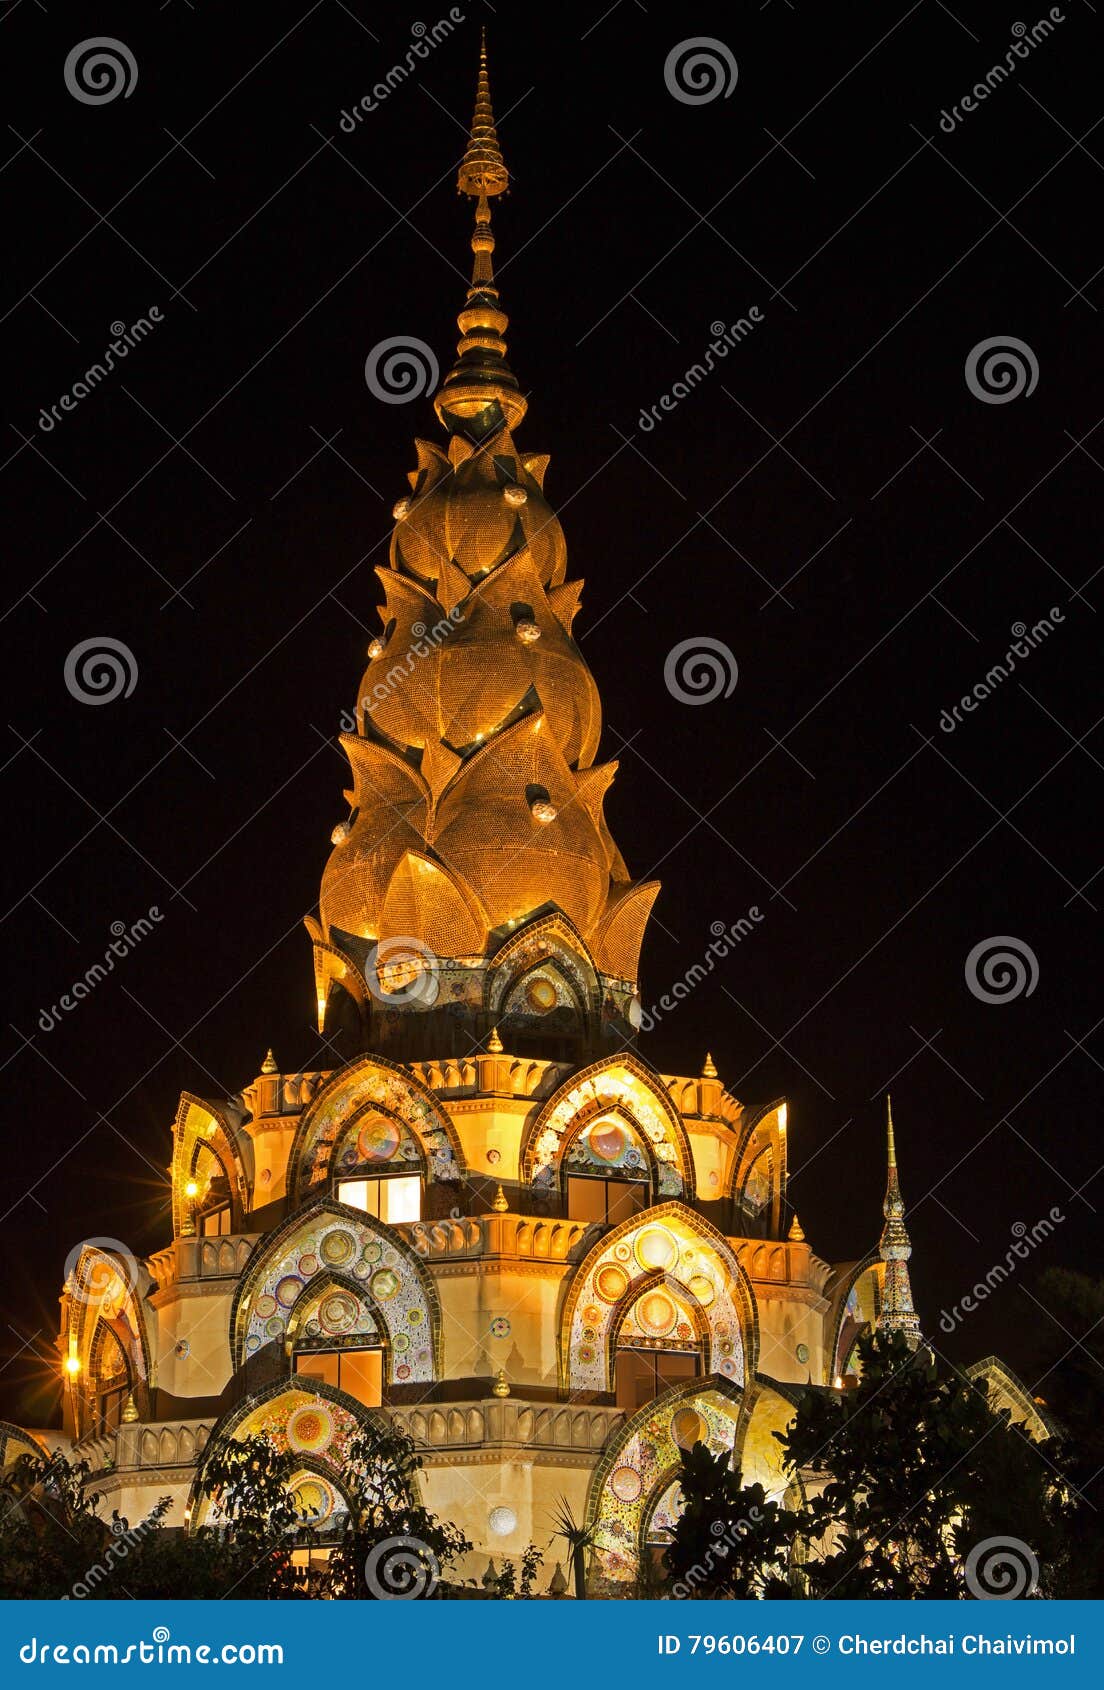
{"x": 586, "y": 1199}
{"x": 400, "y": 1198}
{"x": 354, "y": 1192}
{"x": 361, "y": 1374}
{"x": 318, "y": 1364}
{"x": 625, "y": 1198}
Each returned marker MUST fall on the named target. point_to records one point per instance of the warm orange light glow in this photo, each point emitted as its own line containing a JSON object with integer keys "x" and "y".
{"x": 72, "y": 1365}
{"x": 191, "y": 1189}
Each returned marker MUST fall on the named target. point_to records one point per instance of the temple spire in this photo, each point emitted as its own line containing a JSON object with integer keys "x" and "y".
{"x": 481, "y": 391}
{"x": 895, "y": 1248}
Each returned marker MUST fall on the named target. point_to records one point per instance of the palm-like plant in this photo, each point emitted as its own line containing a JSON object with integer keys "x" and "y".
{"x": 579, "y": 1539}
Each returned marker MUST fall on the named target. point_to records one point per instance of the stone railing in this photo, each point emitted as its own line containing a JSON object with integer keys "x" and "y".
{"x": 450, "y": 1427}
{"x": 222, "y": 1257}
{"x": 521, "y": 1236}
{"x": 173, "y": 1444}
{"x": 521, "y": 1076}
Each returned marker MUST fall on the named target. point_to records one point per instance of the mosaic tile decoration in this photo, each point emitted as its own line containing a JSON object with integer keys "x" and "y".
{"x": 615, "y": 1085}
{"x": 394, "y": 1097}
{"x": 635, "y": 1470}
{"x": 390, "y": 1295}
{"x": 608, "y": 1145}
{"x": 699, "y": 1295}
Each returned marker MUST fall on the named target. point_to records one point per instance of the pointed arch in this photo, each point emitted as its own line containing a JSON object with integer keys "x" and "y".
{"x": 300, "y": 1258}
{"x": 549, "y": 943}
{"x": 855, "y": 1301}
{"x": 1006, "y": 1391}
{"x": 666, "y": 1241}
{"x": 369, "y": 1083}
{"x": 625, "y": 1083}
{"x": 201, "y": 1126}
{"x": 760, "y": 1168}
{"x": 106, "y": 1329}
{"x": 643, "y": 1457}
{"x": 316, "y": 1424}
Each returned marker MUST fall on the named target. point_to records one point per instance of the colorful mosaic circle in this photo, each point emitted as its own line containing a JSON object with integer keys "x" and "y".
{"x": 656, "y": 1314}
{"x": 607, "y": 1139}
{"x": 702, "y": 1288}
{"x": 500, "y": 1327}
{"x": 253, "y": 1342}
{"x": 592, "y": 1314}
{"x": 728, "y": 1368}
{"x": 339, "y": 1311}
{"x": 402, "y": 1371}
{"x": 265, "y": 1305}
{"x": 275, "y": 1327}
{"x": 338, "y": 1248}
{"x": 314, "y": 1500}
{"x": 400, "y": 1343}
{"x": 287, "y": 1289}
{"x": 626, "y": 1484}
{"x": 688, "y": 1428}
{"x": 655, "y": 1249}
{"x": 385, "y": 1284}
{"x": 802, "y": 1353}
{"x": 622, "y": 1252}
{"x": 540, "y": 995}
{"x": 587, "y": 1354}
{"x": 378, "y": 1139}
{"x": 684, "y": 1330}
{"x": 371, "y": 1252}
{"x": 308, "y": 1264}
{"x": 310, "y": 1429}
{"x": 414, "y": 1317}
{"x": 611, "y": 1282}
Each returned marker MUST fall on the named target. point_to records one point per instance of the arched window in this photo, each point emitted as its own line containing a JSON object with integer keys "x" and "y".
{"x": 659, "y": 1344}
{"x": 606, "y": 1172}
{"x": 380, "y": 1169}
{"x": 337, "y": 1339}
{"x": 110, "y": 1381}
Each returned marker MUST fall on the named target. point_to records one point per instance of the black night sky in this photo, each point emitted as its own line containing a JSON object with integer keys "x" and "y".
{"x": 834, "y": 504}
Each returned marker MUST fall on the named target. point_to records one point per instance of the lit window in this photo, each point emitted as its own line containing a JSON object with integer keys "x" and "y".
{"x": 606, "y": 1201}
{"x": 642, "y": 1374}
{"x": 215, "y": 1222}
{"x": 394, "y": 1199}
{"x": 359, "y": 1373}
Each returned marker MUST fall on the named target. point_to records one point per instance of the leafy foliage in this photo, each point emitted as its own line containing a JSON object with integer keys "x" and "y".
{"x": 730, "y": 1539}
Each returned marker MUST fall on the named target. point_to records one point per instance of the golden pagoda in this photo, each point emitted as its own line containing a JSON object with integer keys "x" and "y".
{"x": 495, "y": 1223}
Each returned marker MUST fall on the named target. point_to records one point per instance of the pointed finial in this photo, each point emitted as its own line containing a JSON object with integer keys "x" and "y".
{"x": 500, "y": 1204}
{"x": 501, "y": 1386}
{"x": 895, "y": 1247}
{"x": 270, "y": 1065}
{"x": 130, "y": 1410}
{"x": 709, "y": 1068}
{"x": 558, "y": 1583}
{"x": 796, "y": 1234}
{"x": 481, "y": 391}
{"x": 494, "y": 1043}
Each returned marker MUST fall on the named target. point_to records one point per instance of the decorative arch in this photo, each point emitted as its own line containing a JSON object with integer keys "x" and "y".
{"x": 369, "y": 1084}
{"x": 1006, "y": 1391}
{"x": 759, "y": 1171}
{"x": 624, "y": 1084}
{"x": 666, "y": 1243}
{"x": 551, "y": 949}
{"x": 630, "y": 1157}
{"x": 639, "y": 1465}
{"x": 201, "y": 1128}
{"x": 316, "y": 1424}
{"x": 104, "y": 1318}
{"x": 856, "y": 1301}
{"x": 301, "y": 1259}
